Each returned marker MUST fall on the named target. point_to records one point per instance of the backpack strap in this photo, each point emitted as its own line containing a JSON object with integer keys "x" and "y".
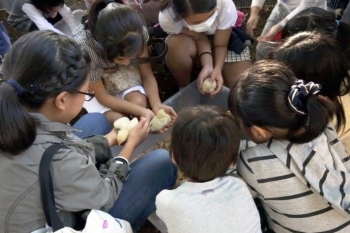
{"x": 47, "y": 192}
{"x": 143, "y": 60}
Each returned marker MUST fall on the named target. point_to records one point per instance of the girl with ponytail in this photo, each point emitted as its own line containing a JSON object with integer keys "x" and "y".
{"x": 114, "y": 35}
{"x": 298, "y": 167}
{"x": 46, "y": 85}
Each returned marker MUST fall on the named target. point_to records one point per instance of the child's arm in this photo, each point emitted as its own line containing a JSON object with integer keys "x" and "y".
{"x": 163, "y": 200}
{"x": 68, "y": 17}
{"x": 220, "y": 45}
{"x": 149, "y": 82}
{"x": 245, "y": 173}
{"x": 254, "y": 16}
{"x": 304, "y": 4}
{"x": 117, "y": 104}
{"x": 37, "y": 17}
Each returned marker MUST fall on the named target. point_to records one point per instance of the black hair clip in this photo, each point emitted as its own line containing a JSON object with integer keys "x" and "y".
{"x": 34, "y": 87}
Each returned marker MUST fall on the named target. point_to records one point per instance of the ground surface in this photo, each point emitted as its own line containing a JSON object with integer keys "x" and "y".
{"x": 167, "y": 85}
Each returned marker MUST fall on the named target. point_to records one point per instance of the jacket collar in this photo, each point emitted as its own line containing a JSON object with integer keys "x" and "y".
{"x": 44, "y": 124}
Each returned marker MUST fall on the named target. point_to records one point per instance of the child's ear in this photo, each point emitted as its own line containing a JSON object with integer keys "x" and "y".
{"x": 260, "y": 134}
{"x": 61, "y": 101}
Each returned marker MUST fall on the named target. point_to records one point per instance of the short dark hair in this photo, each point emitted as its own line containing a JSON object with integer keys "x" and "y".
{"x": 204, "y": 142}
{"x": 183, "y": 8}
{"x": 43, "y": 5}
{"x": 319, "y": 58}
{"x": 44, "y": 64}
{"x": 260, "y": 99}
{"x": 118, "y": 28}
{"x": 311, "y": 19}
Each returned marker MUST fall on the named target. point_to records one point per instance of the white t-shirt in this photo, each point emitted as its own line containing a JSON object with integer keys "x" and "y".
{"x": 37, "y": 17}
{"x": 222, "y": 205}
{"x": 226, "y": 18}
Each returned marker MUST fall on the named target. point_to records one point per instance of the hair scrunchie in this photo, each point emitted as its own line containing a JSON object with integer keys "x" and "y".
{"x": 18, "y": 88}
{"x": 299, "y": 93}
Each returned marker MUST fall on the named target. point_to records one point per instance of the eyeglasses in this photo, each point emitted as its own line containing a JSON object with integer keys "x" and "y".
{"x": 88, "y": 95}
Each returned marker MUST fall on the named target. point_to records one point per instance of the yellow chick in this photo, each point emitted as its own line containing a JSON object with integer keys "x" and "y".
{"x": 121, "y": 123}
{"x": 124, "y": 125}
{"x": 159, "y": 121}
{"x": 209, "y": 86}
{"x": 122, "y": 136}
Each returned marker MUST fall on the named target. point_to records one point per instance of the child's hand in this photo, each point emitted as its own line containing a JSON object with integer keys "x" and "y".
{"x": 148, "y": 114}
{"x": 138, "y": 133}
{"x": 217, "y": 76}
{"x": 203, "y": 75}
{"x": 271, "y": 34}
{"x": 168, "y": 110}
{"x": 251, "y": 24}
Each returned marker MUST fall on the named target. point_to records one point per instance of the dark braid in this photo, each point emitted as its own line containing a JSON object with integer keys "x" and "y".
{"x": 39, "y": 66}
{"x": 72, "y": 67}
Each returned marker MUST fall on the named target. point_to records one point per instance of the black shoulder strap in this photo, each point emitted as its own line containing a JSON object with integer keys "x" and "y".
{"x": 143, "y": 60}
{"x": 47, "y": 192}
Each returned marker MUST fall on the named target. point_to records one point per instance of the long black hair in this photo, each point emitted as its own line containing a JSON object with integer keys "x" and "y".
{"x": 318, "y": 58}
{"x": 311, "y": 19}
{"x": 261, "y": 99}
{"x": 118, "y": 28}
{"x": 43, "y": 64}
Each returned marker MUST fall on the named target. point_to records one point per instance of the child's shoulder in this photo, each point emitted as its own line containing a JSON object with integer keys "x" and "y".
{"x": 251, "y": 150}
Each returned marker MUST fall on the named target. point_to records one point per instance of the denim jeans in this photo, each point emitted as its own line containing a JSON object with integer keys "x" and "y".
{"x": 148, "y": 176}
{"x": 92, "y": 124}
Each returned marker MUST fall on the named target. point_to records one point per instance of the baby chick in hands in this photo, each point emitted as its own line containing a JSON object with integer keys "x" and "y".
{"x": 209, "y": 86}
{"x": 159, "y": 121}
{"x": 124, "y": 125}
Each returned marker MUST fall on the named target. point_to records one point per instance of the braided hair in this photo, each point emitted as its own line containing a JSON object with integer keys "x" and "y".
{"x": 42, "y": 64}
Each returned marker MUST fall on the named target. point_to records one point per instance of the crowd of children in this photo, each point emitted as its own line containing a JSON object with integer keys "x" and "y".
{"x": 284, "y": 140}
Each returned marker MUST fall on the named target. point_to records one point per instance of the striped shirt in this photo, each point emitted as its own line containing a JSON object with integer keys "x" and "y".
{"x": 303, "y": 187}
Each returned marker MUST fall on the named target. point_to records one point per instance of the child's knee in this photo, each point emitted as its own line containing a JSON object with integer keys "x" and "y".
{"x": 113, "y": 116}
{"x": 138, "y": 99}
{"x": 181, "y": 45}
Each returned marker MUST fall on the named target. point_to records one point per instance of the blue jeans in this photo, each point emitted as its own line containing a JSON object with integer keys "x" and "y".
{"x": 148, "y": 176}
{"x": 92, "y": 124}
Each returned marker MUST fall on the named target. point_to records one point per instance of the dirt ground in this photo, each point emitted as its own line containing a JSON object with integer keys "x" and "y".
{"x": 167, "y": 85}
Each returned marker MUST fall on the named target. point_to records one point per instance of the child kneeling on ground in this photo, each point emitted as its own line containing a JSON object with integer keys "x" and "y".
{"x": 204, "y": 143}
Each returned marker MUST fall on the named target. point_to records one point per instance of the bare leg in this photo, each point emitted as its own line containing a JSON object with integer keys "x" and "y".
{"x": 232, "y": 70}
{"x": 113, "y": 116}
{"x": 137, "y": 98}
{"x": 182, "y": 51}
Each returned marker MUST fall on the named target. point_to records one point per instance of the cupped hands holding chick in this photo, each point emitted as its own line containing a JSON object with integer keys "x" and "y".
{"x": 210, "y": 81}
{"x": 158, "y": 124}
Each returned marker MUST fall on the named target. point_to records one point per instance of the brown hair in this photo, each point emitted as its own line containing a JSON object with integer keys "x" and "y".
{"x": 204, "y": 142}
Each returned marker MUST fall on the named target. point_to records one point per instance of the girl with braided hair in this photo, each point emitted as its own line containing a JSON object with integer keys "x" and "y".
{"x": 47, "y": 84}
{"x": 298, "y": 167}
{"x": 114, "y": 35}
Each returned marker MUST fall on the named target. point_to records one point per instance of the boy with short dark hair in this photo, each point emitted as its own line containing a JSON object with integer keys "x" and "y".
{"x": 204, "y": 143}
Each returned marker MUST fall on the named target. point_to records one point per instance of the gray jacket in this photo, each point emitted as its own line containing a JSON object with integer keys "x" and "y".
{"x": 77, "y": 183}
